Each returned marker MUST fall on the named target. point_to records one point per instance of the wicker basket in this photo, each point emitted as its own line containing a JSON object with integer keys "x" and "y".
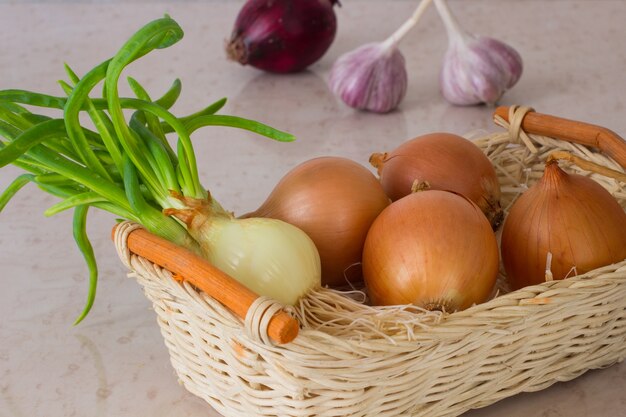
{"x": 351, "y": 359}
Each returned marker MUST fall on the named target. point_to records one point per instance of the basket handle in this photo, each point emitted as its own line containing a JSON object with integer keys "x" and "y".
{"x": 187, "y": 266}
{"x": 607, "y": 141}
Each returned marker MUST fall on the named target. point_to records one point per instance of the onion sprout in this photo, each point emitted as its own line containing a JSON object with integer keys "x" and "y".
{"x": 127, "y": 168}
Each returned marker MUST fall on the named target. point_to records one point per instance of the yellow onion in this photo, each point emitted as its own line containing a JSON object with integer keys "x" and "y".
{"x": 570, "y": 217}
{"x": 434, "y": 249}
{"x": 445, "y": 162}
{"x": 333, "y": 200}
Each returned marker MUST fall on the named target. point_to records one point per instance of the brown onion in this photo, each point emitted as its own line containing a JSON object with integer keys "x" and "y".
{"x": 434, "y": 249}
{"x": 570, "y": 216}
{"x": 446, "y": 162}
{"x": 334, "y": 200}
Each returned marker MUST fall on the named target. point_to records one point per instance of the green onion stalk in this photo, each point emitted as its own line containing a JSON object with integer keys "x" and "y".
{"x": 129, "y": 168}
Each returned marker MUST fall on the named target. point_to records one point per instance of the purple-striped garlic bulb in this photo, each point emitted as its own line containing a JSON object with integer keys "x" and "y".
{"x": 476, "y": 69}
{"x": 373, "y": 76}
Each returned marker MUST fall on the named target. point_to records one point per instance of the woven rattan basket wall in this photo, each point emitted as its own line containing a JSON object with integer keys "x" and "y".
{"x": 351, "y": 359}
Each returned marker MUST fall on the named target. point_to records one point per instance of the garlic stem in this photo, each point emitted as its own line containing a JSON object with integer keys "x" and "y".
{"x": 453, "y": 28}
{"x": 395, "y": 38}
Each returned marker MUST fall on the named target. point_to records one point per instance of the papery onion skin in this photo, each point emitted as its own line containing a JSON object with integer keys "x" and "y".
{"x": 282, "y": 36}
{"x": 434, "y": 249}
{"x": 334, "y": 200}
{"x": 569, "y": 215}
{"x": 446, "y": 162}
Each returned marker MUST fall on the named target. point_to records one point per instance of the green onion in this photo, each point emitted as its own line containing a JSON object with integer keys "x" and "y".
{"x": 127, "y": 168}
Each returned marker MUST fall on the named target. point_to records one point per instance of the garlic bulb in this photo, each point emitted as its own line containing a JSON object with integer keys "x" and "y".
{"x": 476, "y": 69}
{"x": 373, "y": 77}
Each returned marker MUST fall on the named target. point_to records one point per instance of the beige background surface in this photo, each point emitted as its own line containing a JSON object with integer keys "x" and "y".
{"x": 115, "y": 363}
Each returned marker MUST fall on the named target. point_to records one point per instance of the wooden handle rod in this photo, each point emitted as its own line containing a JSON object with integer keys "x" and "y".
{"x": 603, "y": 139}
{"x": 282, "y": 328}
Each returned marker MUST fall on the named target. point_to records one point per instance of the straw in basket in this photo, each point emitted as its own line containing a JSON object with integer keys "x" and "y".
{"x": 332, "y": 355}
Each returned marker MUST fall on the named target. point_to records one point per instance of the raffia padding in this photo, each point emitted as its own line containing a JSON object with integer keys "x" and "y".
{"x": 351, "y": 359}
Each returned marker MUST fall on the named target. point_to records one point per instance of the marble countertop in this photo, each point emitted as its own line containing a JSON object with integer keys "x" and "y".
{"x": 115, "y": 362}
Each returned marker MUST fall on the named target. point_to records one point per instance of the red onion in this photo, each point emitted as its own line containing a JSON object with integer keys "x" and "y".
{"x": 282, "y": 35}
